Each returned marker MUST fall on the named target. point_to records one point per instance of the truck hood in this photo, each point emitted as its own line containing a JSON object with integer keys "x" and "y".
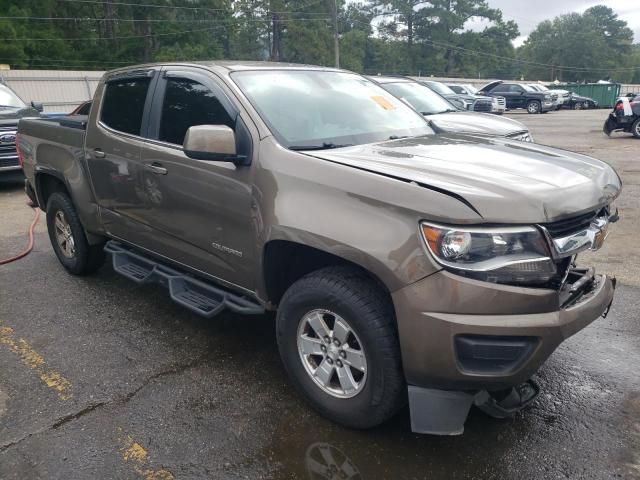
{"x": 504, "y": 181}
{"x": 470, "y": 122}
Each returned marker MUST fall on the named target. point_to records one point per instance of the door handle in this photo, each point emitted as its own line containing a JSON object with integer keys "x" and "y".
{"x": 156, "y": 168}
{"x": 98, "y": 153}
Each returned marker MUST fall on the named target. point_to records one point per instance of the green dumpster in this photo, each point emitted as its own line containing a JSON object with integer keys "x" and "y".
{"x": 603, "y": 93}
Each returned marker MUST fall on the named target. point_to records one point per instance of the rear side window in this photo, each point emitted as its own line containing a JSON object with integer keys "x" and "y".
{"x": 123, "y": 104}
{"x": 188, "y": 103}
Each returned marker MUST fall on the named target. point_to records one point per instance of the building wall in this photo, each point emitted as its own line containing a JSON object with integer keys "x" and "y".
{"x": 60, "y": 91}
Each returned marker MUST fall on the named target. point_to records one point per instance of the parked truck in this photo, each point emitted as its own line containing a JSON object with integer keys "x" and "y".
{"x": 404, "y": 264}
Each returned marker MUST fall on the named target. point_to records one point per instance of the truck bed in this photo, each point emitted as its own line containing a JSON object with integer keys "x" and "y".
{"x": 53, "y": 143}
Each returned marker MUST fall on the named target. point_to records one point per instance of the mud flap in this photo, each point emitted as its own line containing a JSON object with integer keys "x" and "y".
{"x": 438, "y": 412}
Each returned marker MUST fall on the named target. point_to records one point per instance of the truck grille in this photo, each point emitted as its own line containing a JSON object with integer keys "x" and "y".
{"x": 501, "y": 101}
{"x": 563, "y": 228}
{"x": 8, "y": 145}
{"x": 9, "y": 162}
{"x": 482, "y": 106}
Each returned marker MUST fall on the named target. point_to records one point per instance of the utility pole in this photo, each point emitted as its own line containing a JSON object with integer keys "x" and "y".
{"x": 336, "y": 41}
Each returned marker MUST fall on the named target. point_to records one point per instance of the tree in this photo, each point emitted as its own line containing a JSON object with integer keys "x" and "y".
{"x": 593, "y": 45}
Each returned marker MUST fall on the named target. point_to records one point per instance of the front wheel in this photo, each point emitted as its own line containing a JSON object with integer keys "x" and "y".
{"x": 534, "y": 106}
{"x": 635, "y": 128}
{"x": 338, "y": 342}
{"x": 68, "y": 239}
{"x": 577, "y": 106}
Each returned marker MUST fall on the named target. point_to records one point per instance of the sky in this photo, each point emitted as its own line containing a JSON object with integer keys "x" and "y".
{"x": 528, "y": 13}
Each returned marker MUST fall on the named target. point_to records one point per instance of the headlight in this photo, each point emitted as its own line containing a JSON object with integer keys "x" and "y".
{"x": 512, "y": 255}
{"x": 523, "y": 137}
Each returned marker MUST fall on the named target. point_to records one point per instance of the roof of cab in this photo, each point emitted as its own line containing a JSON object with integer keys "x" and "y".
{"x": 232, "y": 65}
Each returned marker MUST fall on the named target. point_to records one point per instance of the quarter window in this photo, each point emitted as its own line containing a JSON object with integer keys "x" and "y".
{"x": 188, "y": 103}
{"x": 123, "y": 104}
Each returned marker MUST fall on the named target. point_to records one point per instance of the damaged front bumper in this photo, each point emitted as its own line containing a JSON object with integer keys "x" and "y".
{"x": 499, "y": 338}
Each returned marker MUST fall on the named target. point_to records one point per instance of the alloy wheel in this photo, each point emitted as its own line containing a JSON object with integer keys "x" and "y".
{"x": 64, "y": 236}
{"x": 332, "y": 353}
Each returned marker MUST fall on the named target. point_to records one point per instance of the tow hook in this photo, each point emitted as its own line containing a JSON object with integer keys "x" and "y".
{"x": 507, "y": 403}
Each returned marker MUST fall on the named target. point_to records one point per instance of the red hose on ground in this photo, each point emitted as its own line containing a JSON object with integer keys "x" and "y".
{"x": 27, "y": 250}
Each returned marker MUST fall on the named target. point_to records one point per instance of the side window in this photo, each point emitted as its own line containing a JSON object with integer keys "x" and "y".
{"x": 516, "y": 89}
{"x": 188, "y": 103}
{"x": 123, "y": 104}
{"x": 502, "y": 88}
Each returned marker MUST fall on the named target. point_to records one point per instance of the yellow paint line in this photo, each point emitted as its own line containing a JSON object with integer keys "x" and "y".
{"x": 35, "y": 362}
{"x": 137, "y": 456}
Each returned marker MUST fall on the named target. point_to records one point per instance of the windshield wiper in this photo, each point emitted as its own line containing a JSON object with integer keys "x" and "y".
{"x": 398, "y": 137}
{"x": 324, "y": 146}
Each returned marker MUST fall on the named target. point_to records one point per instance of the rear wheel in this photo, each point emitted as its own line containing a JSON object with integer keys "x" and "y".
{"x": 338, "y": 342}
{"x": 635, "y": 128}
{"x": 534, "y": 106}
{"x": 68, "y": 239}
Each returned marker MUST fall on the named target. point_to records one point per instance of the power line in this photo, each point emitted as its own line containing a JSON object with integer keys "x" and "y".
{"x": 158, "y": 20}
{"x": 119, "y": 37}
{"x": 172, "y": 7}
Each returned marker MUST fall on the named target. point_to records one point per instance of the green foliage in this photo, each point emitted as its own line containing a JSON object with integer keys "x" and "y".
{"x": 375, "y": 36}
{"x": 594, "y": 45}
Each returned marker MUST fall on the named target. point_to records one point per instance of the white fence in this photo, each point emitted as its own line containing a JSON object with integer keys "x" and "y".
{"x": 58, "y": 90}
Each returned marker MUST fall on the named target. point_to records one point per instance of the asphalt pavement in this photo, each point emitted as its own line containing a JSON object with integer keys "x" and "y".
{"x": 101, "y": 378}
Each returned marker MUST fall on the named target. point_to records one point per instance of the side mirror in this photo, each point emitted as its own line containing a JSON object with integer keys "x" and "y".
{"x": 37, "y": 106}
{"x": 211, "y": 142}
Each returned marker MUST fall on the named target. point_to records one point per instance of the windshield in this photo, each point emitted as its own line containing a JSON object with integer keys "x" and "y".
{"x": 471, "y": 89}
{"x": 9, "y": 99}
{"x": 440, "y": 88}
{"x": 422, "y": 98}
{"x": 317, "y": 109}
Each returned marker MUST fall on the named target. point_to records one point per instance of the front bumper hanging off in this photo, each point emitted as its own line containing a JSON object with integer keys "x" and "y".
{"x": 487, "y": 360}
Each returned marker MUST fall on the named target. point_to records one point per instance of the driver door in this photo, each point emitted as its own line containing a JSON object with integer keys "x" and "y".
{"x": 200, "y": 211}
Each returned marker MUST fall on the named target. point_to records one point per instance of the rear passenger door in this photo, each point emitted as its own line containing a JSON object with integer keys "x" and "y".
{"x": 199, "y": 211}
{"x": 113, "y": 146}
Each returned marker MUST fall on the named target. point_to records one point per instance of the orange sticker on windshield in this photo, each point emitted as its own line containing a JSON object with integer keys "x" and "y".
{"x": 383, "y": 102}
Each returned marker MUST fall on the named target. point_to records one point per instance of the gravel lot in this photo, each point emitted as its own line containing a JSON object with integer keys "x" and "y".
{"x": 100, "y": 378}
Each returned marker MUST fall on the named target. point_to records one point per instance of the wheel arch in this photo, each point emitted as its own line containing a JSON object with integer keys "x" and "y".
{"x": 285, "y": 261}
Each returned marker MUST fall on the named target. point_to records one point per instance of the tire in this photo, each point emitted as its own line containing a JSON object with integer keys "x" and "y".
{"x": 577, "y": 106}
{"x": 344, "y": 294}
{"x": 635, "y": 128}
{"x": 75, "y": 255}
{"x": 534, "y": 106}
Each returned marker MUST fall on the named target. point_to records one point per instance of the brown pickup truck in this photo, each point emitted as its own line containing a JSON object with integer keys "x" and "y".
{"x": 403, "y": 264}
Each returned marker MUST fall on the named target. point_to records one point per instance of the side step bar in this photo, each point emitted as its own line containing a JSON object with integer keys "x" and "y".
{"x": 200, "y": 297}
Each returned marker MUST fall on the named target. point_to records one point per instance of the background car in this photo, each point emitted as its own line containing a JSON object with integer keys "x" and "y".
{"x": 519, "y": 96}
{"x": 578, "y": 102}
{"x": 12, "y": 109}
{"x": 498, "y": 104}
{"x": 625, "y": 116}
{"x": 444, "y": 117}
{"x": 474, "y": 102}
{"x": 562, "y": 95}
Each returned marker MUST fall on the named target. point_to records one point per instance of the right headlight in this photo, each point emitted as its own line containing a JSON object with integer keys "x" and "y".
{"x": 511, "y": 255}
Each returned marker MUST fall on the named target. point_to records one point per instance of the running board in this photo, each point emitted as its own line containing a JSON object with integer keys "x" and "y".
{"x": 200, "y": 297}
